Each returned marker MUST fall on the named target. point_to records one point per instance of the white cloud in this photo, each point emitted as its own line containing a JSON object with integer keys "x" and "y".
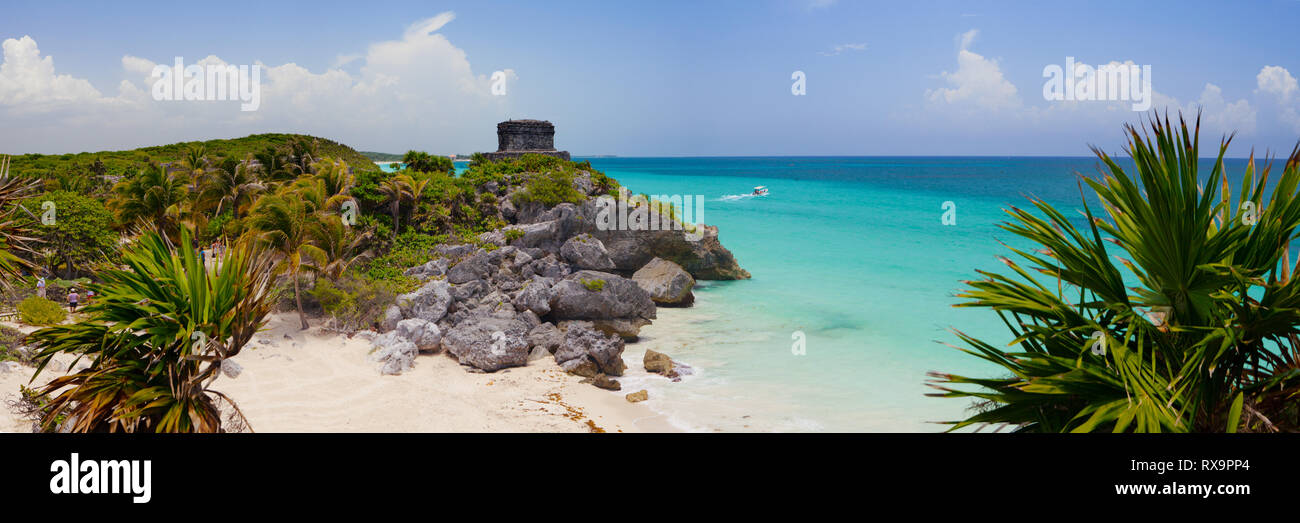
{"x": 968, "y": 38}
{"x": 345, "y": 59}
{"x": 978, "y": 82}
{"x": 837, "y": 49}
{"x": 1217, "y": 114}
{"x": 28, "y": 81}
{"x": 1277, "y": 81}
{"x": 986, "y": 103}
{"x": 417, "y": 91}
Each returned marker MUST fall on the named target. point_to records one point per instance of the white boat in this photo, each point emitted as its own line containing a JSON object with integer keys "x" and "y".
{"x": 760, "y": 190}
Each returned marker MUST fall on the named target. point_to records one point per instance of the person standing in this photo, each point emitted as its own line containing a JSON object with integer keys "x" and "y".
{"x": 40, "y": 286}
{"x": 72, "y": 300}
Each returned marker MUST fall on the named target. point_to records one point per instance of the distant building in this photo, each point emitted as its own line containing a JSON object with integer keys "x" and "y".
{"x": 516, "y": 138}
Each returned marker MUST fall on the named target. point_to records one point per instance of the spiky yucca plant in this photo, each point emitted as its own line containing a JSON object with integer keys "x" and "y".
{"x": 156, "y": 336}
{"x": 1206, "y": 340}
{"x": 17, "y": 243}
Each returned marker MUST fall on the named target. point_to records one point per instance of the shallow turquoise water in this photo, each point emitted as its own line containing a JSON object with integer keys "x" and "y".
{"x": 852, "y": 252}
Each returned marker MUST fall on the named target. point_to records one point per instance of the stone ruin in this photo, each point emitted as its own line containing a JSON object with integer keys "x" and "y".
{"x": 516, "y": 138}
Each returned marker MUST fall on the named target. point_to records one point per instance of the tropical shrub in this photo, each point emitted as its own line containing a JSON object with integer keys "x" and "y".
{"x": 549, "y": 189}
{"x": 1203, "y": 337}
{"x": 355, "y": 303}
{"x": 410, "y": 249}
{"x": 35, "y": 310}
{"x": 156, "y": 338}
{"x": 81, "y": 233}
{"x": 424, "y": 162}
{"x": 10, "y": 340}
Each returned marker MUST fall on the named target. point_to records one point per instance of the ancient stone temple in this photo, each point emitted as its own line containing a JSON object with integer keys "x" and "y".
{"x": 516, "y": 138}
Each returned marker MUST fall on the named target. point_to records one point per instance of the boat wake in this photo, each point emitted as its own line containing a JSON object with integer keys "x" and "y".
{"x": 758, "y": 191}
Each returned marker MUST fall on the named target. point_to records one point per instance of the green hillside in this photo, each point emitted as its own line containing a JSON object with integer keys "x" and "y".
{"x": 382, "y": 157}
{"x": 119, "y": 162}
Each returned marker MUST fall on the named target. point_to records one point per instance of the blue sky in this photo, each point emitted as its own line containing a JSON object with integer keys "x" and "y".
{"x": 648, "y": 78}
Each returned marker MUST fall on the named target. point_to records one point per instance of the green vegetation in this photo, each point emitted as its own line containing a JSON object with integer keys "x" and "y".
{"x": 35, "y": 310}
{"x": 423, "y": 162}
{"x": 1207, "y": 340}
{"x": 81, "y": 233}
{"x": 593, "y": 285}
{"x": 287, "y": 193}
{"x": 355, "y": 302}
{"x": 274, "y": 215}
{"x": 398, "y": 191}
{"x": 10, "y": 340}
{"x": 288, "y": 222}
{"x": 156, "y": 339}
{"x": 410, "y": 249}
{"x": 549, "y": 189}
{"x": 87, "y": 166}
{"x": 381, "y": 157}
{"x": 513, "y": 234}
{"x": 16, "y": 252}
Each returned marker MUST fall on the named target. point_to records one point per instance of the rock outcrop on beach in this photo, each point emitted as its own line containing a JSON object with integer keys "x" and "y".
{"x": 584, "y": 347}
{"x": 551, "y": 283}
{"x": 660, "y": 363}
{"x": 489, "y": 343}
{"x": 666, "y": 282}
{"x": 594, "y": 295}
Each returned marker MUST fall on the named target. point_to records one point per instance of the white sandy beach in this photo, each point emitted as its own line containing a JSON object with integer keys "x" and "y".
{"x": 315, "y": 381}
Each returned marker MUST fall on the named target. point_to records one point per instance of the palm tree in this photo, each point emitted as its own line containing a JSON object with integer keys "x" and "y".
{"x": 156, "y": 338}
{"x": 333, "y": 179}
{"x": 273, "y": 165}
{"x": 195, "y": 162}
{"x": 301, "y": 155}
{"x": 232, "y": 187}
{"x": 340, "y": 248}
{"x": 399, "y": 190}
{"x": 1203, "y": 335}
{"x": 287, "y": 222}
{"x": 329, "y": 185}
{"x": 153, "y": 197}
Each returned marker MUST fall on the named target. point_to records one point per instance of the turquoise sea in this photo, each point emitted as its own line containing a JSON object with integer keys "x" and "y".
{"x": 853, "y": 254}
